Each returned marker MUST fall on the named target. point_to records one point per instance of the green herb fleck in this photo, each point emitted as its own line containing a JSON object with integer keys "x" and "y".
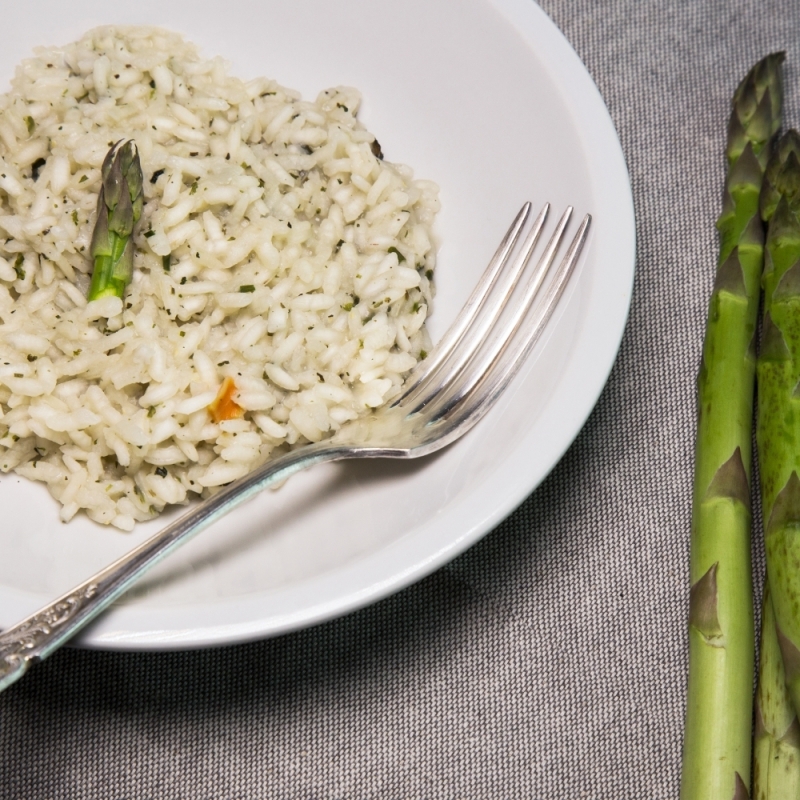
{"x": 151, "y": 412}
{"x": 30, "y": 124}
{"x": 83, "y": 179}
{"x": 166, "y": 262}
{"x": 423, "y": 354}
{"x": 148, "y": 234}
{"x": 400, "y": 257}
{"x": 75, "y": 217}
{"x": 248, "y": 287}
{"x": 18, "y": 268}
{"x": 193, "y": 188}
{"x": 429, "y": 274}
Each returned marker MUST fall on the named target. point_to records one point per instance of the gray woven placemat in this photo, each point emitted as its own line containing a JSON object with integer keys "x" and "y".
{"x": 548, "y": 661}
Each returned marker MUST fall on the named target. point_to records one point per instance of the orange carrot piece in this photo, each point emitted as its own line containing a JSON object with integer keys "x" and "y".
{"x": 224, "y": 407}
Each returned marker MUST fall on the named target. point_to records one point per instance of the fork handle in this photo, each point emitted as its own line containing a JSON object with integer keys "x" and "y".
{"x": 39, "y": 635}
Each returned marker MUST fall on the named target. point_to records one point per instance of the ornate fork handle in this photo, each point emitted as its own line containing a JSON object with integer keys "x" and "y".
{"x": 45, "y": 631}
{"x": 26, "y": 641}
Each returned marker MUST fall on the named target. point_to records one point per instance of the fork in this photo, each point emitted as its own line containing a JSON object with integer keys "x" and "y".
{"x": 442, "y": 398}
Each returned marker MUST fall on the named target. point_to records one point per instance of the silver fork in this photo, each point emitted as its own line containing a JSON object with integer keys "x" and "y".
{"x": 447, "y": 393}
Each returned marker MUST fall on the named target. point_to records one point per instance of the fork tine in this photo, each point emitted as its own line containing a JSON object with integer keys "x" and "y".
{"x": 465, "y": 320}
{"x": 484, "y": 357}
{"x": 503, "y": 363}
{"x": 458, "y": 354}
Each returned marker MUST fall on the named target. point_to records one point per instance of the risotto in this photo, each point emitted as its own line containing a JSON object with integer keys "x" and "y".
{"x": 281, "y": 267}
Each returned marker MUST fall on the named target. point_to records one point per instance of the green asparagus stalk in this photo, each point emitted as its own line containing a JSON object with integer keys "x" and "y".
{"x": 119, "y": 207}
{"x": 776, "y": 750}
{"x": 717, "y": 743}
{"x": 778, "y": 425}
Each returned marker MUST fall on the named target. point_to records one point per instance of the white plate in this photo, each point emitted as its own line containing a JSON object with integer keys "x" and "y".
{"x": 488, "y": 99}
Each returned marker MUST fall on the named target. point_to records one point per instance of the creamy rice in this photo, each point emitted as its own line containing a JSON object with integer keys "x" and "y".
{"x": 276, "y": 248}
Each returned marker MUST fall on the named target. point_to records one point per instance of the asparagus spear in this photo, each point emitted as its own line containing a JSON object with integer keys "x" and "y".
{"x": 778, "y": 426}
{"x": 717, "y": 745}
{"x": 776, "y": 751}
{"x": 119, "y": 207}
